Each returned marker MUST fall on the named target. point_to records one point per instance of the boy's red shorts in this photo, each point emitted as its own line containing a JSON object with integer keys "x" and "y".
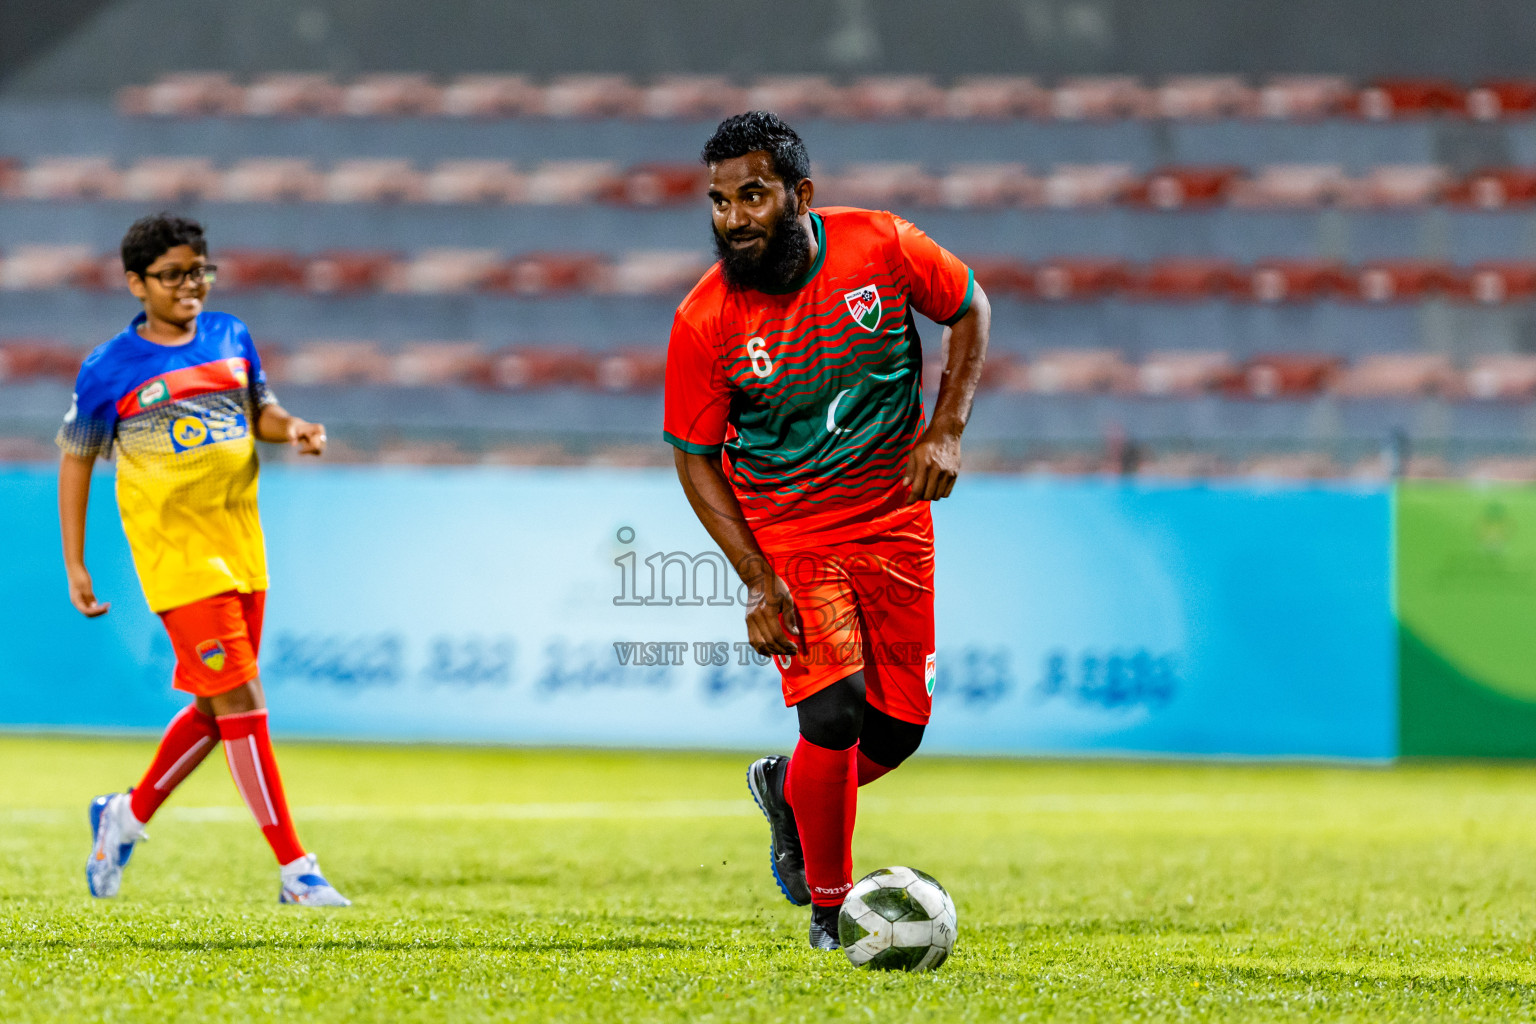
{"x": 865, "y": 604}
{"x": 216, "y": 641}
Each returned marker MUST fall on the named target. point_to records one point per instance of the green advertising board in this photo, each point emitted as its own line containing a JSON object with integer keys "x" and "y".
{"x": 1466, "y": 595}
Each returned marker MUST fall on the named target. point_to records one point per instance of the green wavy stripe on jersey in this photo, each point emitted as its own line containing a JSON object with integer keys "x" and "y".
{"x": 835, "y": 308}
{"x": 817, "y": 346}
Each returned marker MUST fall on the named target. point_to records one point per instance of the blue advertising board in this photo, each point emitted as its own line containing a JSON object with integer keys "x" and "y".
{"x": 589, "y": 607}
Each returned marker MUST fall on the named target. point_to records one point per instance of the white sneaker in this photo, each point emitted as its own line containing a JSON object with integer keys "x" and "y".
{"x": 113, "y": 833}
{"x": 304, "y": 885}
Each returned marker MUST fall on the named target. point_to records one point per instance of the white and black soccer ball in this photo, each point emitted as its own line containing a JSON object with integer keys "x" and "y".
{"x": 897, "y": 919}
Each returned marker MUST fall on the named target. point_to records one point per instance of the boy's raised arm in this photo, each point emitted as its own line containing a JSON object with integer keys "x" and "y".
{"x": 74, "y": 495}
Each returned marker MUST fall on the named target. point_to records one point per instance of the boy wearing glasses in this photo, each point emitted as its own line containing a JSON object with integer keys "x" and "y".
{"x": 181, "y": 394}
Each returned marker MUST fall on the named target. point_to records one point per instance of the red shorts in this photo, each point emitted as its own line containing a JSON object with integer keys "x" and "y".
{"x": 865, "y": 604}
{"x": 216, "y": 640}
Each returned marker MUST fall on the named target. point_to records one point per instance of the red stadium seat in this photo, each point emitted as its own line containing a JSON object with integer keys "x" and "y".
{"x": 1078, "y": 280}
{"x": 1398, "y": 375}
{"x": 10, "y": 177}
{"x": 660, "y": 184}
{"x": 1296, "y": 280}
{"x": 1073, "y": 185}
{"x": 1185, "y": 280}
{"x": 440, "y": 364}
{"x": 1303, "y": 97}
{"x": 444, "y": 272}
{"x": 546, "y": 273}
{"x": 170, "y": 180}
{"x": 885, "y": 96}
{"x": 880, "y": 186}
{"x": 1290, "y": 466}
{"x": 190, "y": 94}
{"x": 967, "y": 186}
{"x": 1002, "y": 372}
{"x": 336, "y": 362}
{"x": 1205, "y": 96}
{"x": 375, "y": 181}
{"x": 1502, "y": 470}
{"x": 571, "y": 181}
{"x": 488, "y": 96}
{"x": 588, "y": 95}
{"x": 1172, "y": 188}
{"x": 1078, "y": 371}
{"x": 793, "y": 96}
{"x": 76, "y": 177}
{"x": 1184, "y": 373}
{"x": 291, "y": 94}
{"x": 1401, "y": 281}
{"x": 33, "y": 267}
{"x": 473, "y": 181}
{"x": 1102, "y": 97}
{"x": 1397, "y": 185}
{"x": 1495, "y": 188}
{"x": 23, "y": 359}
{"x": 1502, "y": 378}
{"x": 1000, "y": 276}
{"x": 655, "y": 272}
{"x": 528, "y": 368}
{"x": 632, "y": 370}
{"x": 1497, "y": 282}
{"x": 1285, "y": 376}
{"x": 259, "y": 268}
{"x": 343, "y": 271}
{"x": 1392, "y": 98}
{"x": 692, "y": 96}
{"x": 1289, "y": 186}
{"x": 997, "y": 97}
{"x": 272, "y": 181}
{"x": 392, "y": 95}
{"x": 1492, "y": 101}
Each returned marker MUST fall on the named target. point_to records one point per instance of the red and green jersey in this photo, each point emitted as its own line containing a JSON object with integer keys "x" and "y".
{"x": 815, "y": 395}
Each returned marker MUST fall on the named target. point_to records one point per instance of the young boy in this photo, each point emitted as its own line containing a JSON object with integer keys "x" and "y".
{"x": 182, "y": 396}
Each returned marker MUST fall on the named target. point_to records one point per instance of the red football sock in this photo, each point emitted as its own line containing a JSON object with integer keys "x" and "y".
{"x": 823, "y": 788}
{"x": 249, "y": 752}
{"x": 186, "y": 742}
{"x": 869, "y": 770}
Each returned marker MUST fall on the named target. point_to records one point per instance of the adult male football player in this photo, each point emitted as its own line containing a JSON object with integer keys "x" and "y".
{"x": 794, "y": 403}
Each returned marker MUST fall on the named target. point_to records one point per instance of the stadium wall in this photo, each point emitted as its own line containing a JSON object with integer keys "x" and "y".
{"x": 551, "y": 606}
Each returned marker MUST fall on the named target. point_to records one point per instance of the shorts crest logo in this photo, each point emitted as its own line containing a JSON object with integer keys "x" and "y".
{"x": 864, "y": 306}
{"x": 930, "y": 672}
{"x": 211, "y": 653}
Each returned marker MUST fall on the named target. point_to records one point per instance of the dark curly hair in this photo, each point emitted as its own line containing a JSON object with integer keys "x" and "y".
{"x": 151, "y": 237}
{"x": 760, "y": 130}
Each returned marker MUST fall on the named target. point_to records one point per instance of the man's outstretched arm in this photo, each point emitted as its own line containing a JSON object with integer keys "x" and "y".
{"x": 770, "y": 606}
{"x": 935, "y": 460}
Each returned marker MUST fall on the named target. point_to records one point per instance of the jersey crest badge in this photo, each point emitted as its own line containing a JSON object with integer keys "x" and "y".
{"x": 930, "y": 672}
{"x": 864, "y": 306}
{"x": 211, "y": 652}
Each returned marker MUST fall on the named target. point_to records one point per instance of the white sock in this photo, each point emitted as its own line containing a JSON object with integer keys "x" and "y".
{"x": 132, "y": 828}
{"x": 304, "y": 865}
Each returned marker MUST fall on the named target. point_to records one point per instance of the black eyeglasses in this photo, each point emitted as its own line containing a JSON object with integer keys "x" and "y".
{"x": 207, "y": 272}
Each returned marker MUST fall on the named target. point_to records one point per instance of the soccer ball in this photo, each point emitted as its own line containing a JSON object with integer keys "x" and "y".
{"x": 897, "y": 919}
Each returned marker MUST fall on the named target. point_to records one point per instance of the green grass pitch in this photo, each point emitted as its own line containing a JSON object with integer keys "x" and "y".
{"x": 551, "y": 885}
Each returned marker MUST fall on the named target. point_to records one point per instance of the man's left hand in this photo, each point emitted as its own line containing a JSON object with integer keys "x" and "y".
{"x": 933, "y": 466}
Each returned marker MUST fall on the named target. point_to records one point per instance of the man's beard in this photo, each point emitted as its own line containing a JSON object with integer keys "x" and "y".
{"x": 777, "y": 266}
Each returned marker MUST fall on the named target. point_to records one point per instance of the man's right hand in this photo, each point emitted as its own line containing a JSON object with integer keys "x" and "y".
{"x": 771, "y": 618}
{"x": 83, "y": 595}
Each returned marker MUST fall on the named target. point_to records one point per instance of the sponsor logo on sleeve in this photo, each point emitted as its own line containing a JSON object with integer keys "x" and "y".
{"x": 864, "y": 306}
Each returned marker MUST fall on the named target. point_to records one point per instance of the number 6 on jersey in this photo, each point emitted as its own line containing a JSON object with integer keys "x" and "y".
{"x": 757, "y": 351}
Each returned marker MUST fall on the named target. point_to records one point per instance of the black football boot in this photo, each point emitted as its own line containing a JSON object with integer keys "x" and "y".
{"x": 765, "y": 781}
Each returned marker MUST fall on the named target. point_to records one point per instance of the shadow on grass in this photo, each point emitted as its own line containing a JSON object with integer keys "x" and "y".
{"x": 615, "y": 945}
